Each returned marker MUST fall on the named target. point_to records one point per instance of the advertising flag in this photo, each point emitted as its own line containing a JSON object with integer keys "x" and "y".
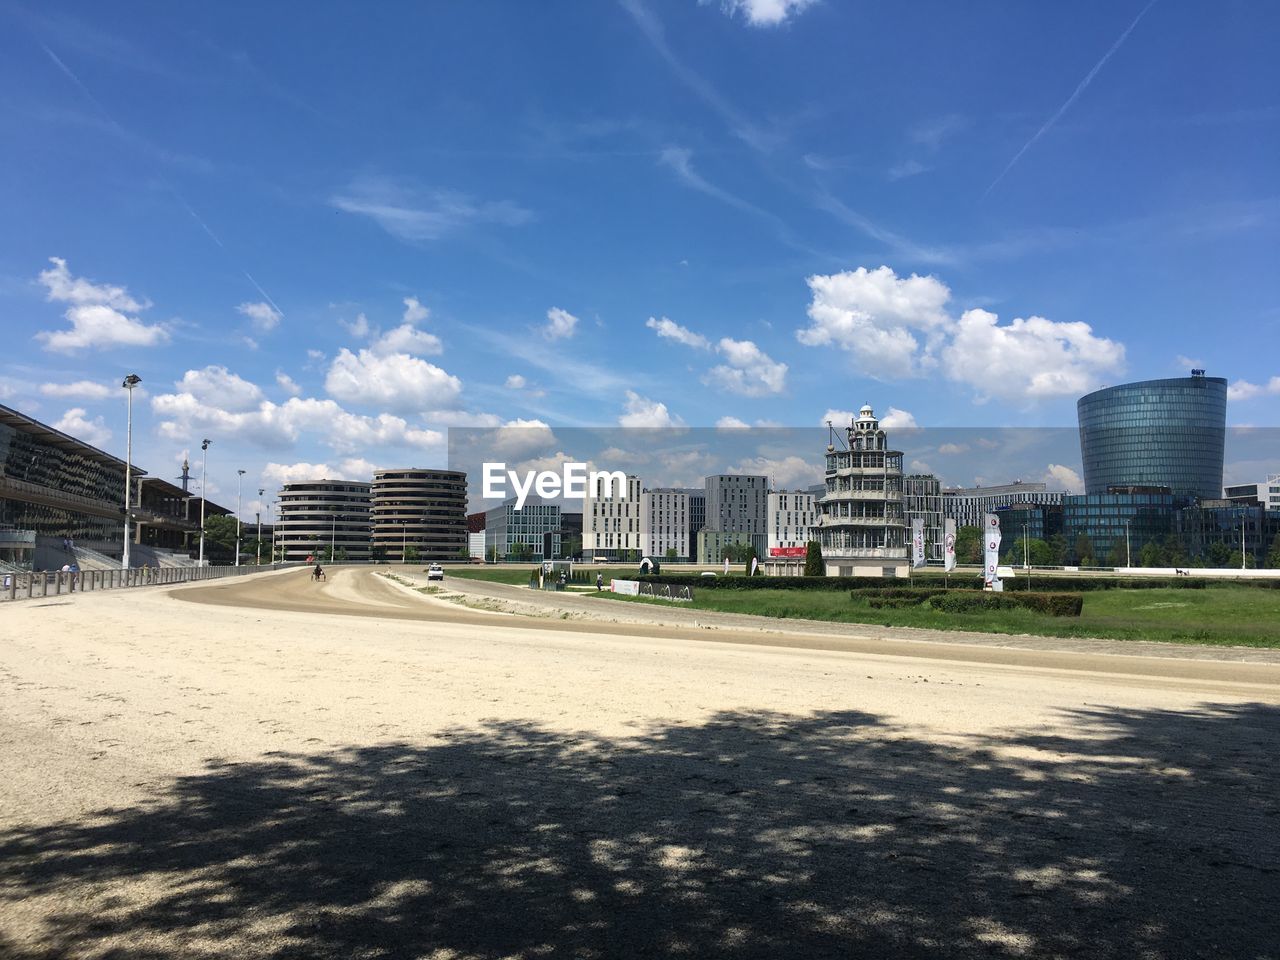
{"x": 726, "y": 566}
{"x": 991, "y": 552}
{"x": 754, "y": 564}
{"x": 917, "y": 541}
{"x": 949, "y": 544}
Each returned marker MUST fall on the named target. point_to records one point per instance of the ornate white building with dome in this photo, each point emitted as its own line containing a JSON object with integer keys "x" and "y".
{"x": 862, "y": 523}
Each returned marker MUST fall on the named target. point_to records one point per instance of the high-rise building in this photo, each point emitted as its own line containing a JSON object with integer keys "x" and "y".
{"x": 1265, "y": 494}
{"x": 611, "y": 522}
{"x": 530, "y": 533}
{"x": 922, "y": 498}
{"x": 862, "y": 525}
{"x": 968, "y": 505}
{"x": 324, "y": 518}
{"x": 664, "y": 523}
{"x": 739, "y": 503}
{"x": 792, "y": 516}
{"x": 425, "y": 510}
{"x": 1155, "y": 433}
{"x": 697, "y": 497}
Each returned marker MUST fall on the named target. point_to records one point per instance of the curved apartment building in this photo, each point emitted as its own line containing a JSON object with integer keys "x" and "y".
{"x": 422, "y": 509}
{"x": 324, "y": 519}
{"x": 1155, "y": 433}
{"x": 862, "y": 523}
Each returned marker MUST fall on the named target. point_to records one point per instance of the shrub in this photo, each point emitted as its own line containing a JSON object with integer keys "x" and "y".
{"x": 973, "y": 601}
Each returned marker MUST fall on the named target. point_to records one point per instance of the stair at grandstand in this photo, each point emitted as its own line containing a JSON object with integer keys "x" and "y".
{"x": 6, "y": 567}
{"x": 158, "y": 557}
{"x": 89, "y": 559}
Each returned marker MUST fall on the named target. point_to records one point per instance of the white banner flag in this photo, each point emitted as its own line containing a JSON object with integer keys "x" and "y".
{"x": 949, "y": 544}
{"x": 991, "y": 552}
{"x": 726, "y": 566}
{"x": 917, "y": 541}
{"x": 754, "y": 564}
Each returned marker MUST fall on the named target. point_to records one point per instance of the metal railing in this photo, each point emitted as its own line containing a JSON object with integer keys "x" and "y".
{"x": 28, "y": 586}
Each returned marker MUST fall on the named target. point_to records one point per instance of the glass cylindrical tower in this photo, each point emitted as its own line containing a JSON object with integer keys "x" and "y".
{"x": 1155, "y": 433}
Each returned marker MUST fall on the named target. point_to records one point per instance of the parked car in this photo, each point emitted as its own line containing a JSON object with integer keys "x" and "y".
{"x": 435, "y": 572}
{"x": 707, "y": 573}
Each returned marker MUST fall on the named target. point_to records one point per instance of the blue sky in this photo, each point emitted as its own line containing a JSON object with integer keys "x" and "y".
{"x": 323, "y": 239}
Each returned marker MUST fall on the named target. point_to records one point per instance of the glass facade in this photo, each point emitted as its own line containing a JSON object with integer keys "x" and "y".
{"x": 1165, "y": 433}
{"x": 1105, "y": 517}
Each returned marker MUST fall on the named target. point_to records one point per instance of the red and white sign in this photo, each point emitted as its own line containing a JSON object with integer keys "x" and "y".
{"x": 787, "y": 551}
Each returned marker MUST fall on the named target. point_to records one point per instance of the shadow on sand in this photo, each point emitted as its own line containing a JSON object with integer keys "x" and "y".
{"x": 1143, "y": 834}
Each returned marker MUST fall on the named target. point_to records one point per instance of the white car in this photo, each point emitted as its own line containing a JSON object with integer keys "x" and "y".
{"x": 435, "y": 572}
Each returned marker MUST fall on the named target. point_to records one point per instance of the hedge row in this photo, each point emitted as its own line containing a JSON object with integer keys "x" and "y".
{"x": 1043, "y": 583}
{"x": 972, "y": 601}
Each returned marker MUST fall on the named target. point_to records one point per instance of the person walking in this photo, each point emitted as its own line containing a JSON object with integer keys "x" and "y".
{"x": 599, "y": 582}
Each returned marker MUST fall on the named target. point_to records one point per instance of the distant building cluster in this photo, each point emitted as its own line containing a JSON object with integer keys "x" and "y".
{"x": 1152, "y": 454}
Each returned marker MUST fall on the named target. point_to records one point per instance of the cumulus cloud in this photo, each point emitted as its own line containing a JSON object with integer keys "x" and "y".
{"x": 264, "y": 316}
{"x": 359, "y": 327}
{"x": 670, "y": 330}
{"x": 98, "y": 314}
{"x": 561, "y": 324}
{"x": 411, "y": 213}
{"x": 87, "y": 389}
{"x": 732, "y": 423}
{"x": 783, "y": 472}
{"x": 896, "y": 327}
{"x": 952, "y": 449}
{"x": 748, "y": 370}
{"x": 877, "y": 317}
{"x": 838, "y": 418}
{"x": 353, "y": 468}
{"x": 1033, "y": 358}
{"x": 1244, "y": 390}
{"x": 515, "y": 382}
{"x": 218, "y": 386}
{"x": 643, "y": 412}
{"x": 1058, "y": 477}
{"x": 393, "y": 381}
{"x": 287, "y": 383}
{"x": 407, "y": 339}
{"x": 895, "y": 419}
{"x": 414, "y": 312}
{"x": 765, "y": 13}
{"x": 76, "y": 423}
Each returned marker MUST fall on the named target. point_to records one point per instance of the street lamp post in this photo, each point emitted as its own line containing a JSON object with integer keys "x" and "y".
{"x": 404, "y": 541}
{"x": 1243, "y": 515}
{"x": 239, "y": 485}
{"x": 204, "y": 475}
{"x": 131, "y": 381}
{"x": 333, "y": 537}
{"x": 1128, "y": 556}
{"x": 258, "y": 547}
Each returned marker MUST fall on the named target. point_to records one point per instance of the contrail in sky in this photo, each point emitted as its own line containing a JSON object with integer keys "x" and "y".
{"x": 1088, "y": 79}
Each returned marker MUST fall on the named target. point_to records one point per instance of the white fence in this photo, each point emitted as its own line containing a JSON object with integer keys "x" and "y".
{"x": 27, "y": 586}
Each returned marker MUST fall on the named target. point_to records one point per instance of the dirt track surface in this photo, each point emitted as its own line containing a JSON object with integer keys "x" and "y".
{"x": 288, "y": 769}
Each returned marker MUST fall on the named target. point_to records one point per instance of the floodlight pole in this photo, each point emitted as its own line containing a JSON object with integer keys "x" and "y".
{"x": 258, "y": 547}
{"x": 239, "y": 485}
{"x": 204, "y": 475}
{"x": 131, "y": 381}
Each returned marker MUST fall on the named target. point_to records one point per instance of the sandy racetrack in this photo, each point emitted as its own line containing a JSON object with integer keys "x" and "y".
{"x": 345, "y": 770}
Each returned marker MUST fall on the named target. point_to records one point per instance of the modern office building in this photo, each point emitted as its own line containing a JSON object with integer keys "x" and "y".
{"x": 697, "y": 497}
{"x": 1126, "y": 519}
{"x": 1265, "y": 494}
{"x": 664, "y": 523}
{"x": 421, "y": 511}
{"x": 1155, "y": 433}
{"x": 1212, "y": 530}
{"x": 1034, "y": 521}
{"x": 530, "y": 533}
{"x": 611, "y": 522}
{"x": 739, "y": 503}
{"x": 324, "y": 518}
{"x": 968, "y": 505}
{"x": 710, "y": 544}
{"x": 792, "y": 516}
{"x": 862, "y": 523}
{"x": 922, "y": 498}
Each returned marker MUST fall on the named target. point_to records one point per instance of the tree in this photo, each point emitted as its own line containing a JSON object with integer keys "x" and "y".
{"x": 1118, "y": 557}
{"x": 220, "y": 535}
{"x": 492, "y": 554}
{"x": 1273, "y": 555}
{"x": 969, "y": 545}
{"x": 1219, "y": 555}
{"x": 813, "y": 565}
{"x": 411, "y": 553}
{"x": 671, "y": 553}
{"x": 1152, "y": 555}
{"x": 378, "y": 553}
{"x": 747, "y": 556}
{"x": 1058, "y": 549}
{"x": 521, "y": 551}
{"x": 1082, "y": 551}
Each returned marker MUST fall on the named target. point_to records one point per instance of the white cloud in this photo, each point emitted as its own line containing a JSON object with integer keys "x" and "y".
{"x": 560, "y": 324}
{"x": 393, "y": 382}
{"x": 952, "y": 449}
{"x": 783, "y": 473}
{"x": 220, "y": 387}
{"x": 415, "y": 214}
{"x": 895, "y": 327}
{"x": 519, "y": 438}
{"x": 81, "y": 388}
{"x": 919, "y": 466}
{"x": 765, "y": 13}
{"x": 671, "y": 330}
{"x": 1244, "y": 390}
{"x": 875, "y": 316}
{"x": 97, "y": 314}
{"x": 749, "y": 370}
{"x": 895, "y": 419}
{"x": 905, "y": 169}
{"x": 838, "y": 418}
{"x": 359, "y": 327}
{"x": 282, "y": 473}
{"x": 264, "y": 316}
{"x": 515, "y": 382}
{"x": 643, "y": 412}
{"x": 407, "y": 339}
{"x": 1187, "y": 363}
{"x": 76, "y": 423}
{"x": 287, "y": 383}
{"x": 414, "y": 312}
{"x": 732, "y": 423}
{"x": 1058, "y": 477}
{"x": 1029, "y": 358}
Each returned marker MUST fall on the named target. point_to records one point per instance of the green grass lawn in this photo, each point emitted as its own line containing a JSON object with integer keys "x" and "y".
{"x": 520, "y": 575}
{"x": 1227, "y": 616}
